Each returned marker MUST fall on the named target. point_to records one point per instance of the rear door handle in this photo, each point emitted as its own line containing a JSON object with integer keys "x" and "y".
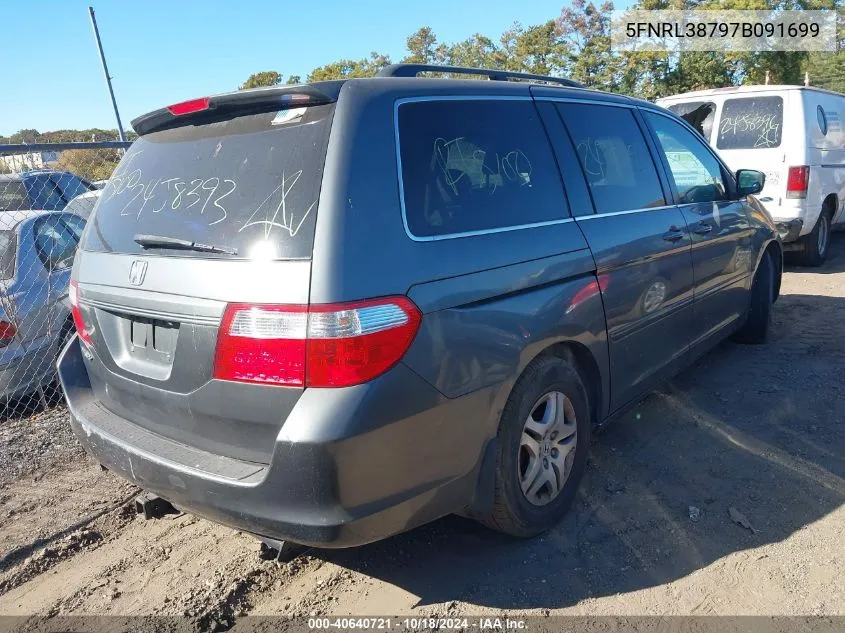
{"x": 703, "y": 228}
{"x": 674, "y": 234}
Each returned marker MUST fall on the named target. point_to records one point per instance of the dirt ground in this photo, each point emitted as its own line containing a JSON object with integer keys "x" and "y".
{"x": 750, "y": 435}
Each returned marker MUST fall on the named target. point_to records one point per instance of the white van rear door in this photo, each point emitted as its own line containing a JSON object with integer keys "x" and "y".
{"x": 750, "y": 136}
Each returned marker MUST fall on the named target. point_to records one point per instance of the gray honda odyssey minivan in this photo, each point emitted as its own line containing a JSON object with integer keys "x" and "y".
{"x": 328, "y": 313}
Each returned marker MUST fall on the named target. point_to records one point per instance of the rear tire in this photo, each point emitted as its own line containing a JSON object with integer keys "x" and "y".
{"x": 758, "y": 322}
{"x": 817, "y": 242}
{"x": 558, "y": 455}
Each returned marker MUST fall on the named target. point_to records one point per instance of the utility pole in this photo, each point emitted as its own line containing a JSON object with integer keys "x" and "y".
{"x": 106, "y": 73}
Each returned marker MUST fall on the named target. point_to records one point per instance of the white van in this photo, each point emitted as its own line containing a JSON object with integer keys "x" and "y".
{"x": 796, "y": 135}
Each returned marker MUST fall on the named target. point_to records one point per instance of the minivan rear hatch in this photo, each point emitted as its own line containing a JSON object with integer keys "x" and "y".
{"x": 214, "y": 204}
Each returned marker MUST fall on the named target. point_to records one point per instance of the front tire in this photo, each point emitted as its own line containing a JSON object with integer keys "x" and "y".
{"x": 544, "y": 435}
{"x": 816, "y": 242}
{"x": 758, "y": 322}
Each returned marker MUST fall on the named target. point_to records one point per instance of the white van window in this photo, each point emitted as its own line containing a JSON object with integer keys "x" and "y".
{"x": 822, "y": 119}
{"x": 699, "y": 114}
{"x": 751, "y": 123}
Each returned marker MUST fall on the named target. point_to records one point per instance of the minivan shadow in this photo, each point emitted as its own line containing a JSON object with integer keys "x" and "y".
{"x": 755, "y": 428}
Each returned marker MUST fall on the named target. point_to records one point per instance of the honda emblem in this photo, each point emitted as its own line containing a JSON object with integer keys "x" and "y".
{"x": 137, "y": 272}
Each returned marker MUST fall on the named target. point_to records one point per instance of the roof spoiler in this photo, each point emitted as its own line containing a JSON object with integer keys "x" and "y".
{"x": 238, "y": 103}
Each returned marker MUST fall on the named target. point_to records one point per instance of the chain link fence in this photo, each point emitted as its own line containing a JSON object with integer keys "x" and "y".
{"x": 47, "y": 193}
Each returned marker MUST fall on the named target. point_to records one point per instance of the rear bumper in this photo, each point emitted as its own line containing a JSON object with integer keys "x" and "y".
{"x": 789, "y": 230}
{"x": 349, "y": 466}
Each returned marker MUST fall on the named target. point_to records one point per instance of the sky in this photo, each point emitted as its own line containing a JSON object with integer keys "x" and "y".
{"x": 161, "y": 52}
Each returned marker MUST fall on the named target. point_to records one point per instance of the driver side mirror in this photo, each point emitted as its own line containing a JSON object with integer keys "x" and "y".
{"x": 749, "y": 182}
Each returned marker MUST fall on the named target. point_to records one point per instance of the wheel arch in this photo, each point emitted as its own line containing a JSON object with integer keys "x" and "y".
{"x": 774, "y": 249}
{"x": 581, "y": 358}
{"x": 830, "y": 204}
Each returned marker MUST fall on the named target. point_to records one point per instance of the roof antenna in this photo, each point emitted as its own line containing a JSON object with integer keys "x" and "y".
{"x": 806, "y": 78}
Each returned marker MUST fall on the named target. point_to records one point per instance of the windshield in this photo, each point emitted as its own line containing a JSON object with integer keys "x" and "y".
{"x": 13, "y": 196}
{"x": 751, "y": 123}
{"x": 249, "y": 185}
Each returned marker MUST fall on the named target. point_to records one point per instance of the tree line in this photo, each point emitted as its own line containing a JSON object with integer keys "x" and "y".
{"x": 92, "y": 164}
{"x": 576, "y": 44}
{"x": 30, "y": 136}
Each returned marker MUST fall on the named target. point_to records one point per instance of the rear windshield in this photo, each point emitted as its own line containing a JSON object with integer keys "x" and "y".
{"x": 248, "y": 185}
{"x": 13, "y": 196}
{"x": 699, "y": 114}
{"x": 751, "y": 123}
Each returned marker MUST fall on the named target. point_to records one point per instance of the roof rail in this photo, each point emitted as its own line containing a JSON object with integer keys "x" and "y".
{"x": 412, "y": 70}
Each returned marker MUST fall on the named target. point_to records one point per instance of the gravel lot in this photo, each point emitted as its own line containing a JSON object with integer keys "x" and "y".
{"x": 749, "y": 435}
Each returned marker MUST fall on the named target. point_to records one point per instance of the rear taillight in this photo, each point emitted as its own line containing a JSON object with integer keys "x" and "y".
{"x": 331, "y": 345}
{"x": 78, "y": 321}
{"x": 7, "y": 333}
{"x": 797, "y": 181}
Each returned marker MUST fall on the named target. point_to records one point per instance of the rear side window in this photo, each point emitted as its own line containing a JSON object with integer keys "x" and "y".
{"x": 75, "y": 223}
{"x": 699, "y": 114}
{"x": 248, "y": 184}
{"x": 44, "y": 193}
{"x": 54, "y": 242}
{"x": 614, "y": 157}
{"x": 13, "y": 196}
{"x": 751, "y": 123}
{"x": 476, "y": 166}
{"x": 70, "y": 185}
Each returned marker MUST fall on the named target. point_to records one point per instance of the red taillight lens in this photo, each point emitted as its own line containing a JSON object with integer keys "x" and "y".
{"x": 78, "y": 321}
{"x": 191, "y": 106}
{"x": 352, "y": 343}
{"x": 262, "y": 343}
{"x": 333, "y": 345}
{"x": 797, "y": 182}
{"x": 7, "y": 333}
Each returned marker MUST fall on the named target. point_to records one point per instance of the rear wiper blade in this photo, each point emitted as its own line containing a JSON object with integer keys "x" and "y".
{"x": 162, "y": 241}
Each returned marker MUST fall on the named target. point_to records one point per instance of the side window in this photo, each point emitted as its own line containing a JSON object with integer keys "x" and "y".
{"x": 54, "y": 242}
{"x": 476, "y": 165}
{"x": 75, "y": 223}
{"x": 44, "y": 193}
{"x": 70, "y": 185}
{"x": 696, "y": 172}
{"x": 699, "y": 114}
{"x": 614, "y": 156}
